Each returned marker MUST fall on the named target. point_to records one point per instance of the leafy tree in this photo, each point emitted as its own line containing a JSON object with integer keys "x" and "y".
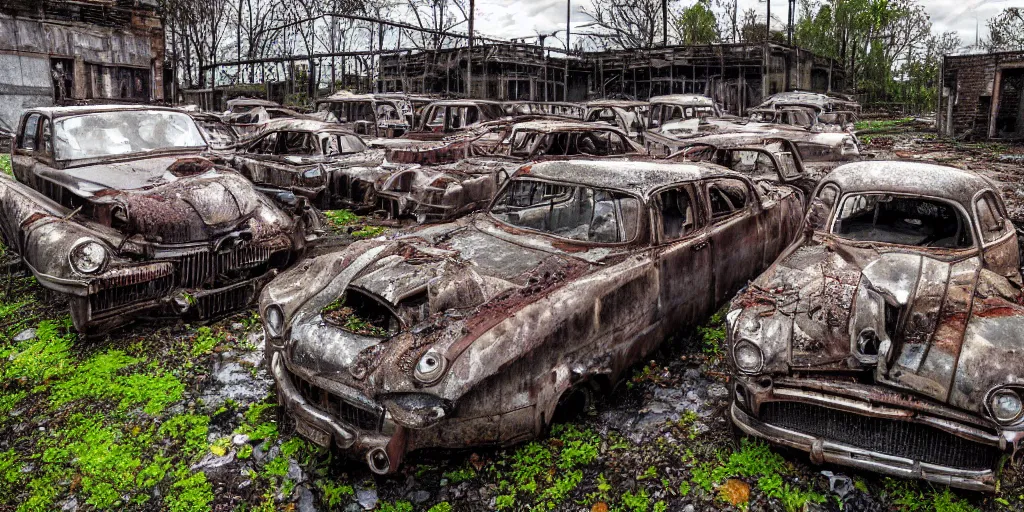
{"x": 697, "y": 24}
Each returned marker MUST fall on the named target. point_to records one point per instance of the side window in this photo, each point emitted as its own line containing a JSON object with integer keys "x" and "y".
{"x": 726, "y": 197}
{"x": 28, "y": 137}
{"x": 990, "y": 218}
{"x": 678, "y": 214}
{"x": 298, "y": 143}
{"x": 265, "y": 146}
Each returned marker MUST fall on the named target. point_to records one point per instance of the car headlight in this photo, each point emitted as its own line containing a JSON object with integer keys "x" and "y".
{"x": 312, "y": 174}
{"x": 273, "y": 321}
{"x": 850, "y": 147}
{"x": 430, "y": 368}
{"x": 748, "y": 357}
{"x": 1006, "y": 406}
{"x": 88, "y": 257}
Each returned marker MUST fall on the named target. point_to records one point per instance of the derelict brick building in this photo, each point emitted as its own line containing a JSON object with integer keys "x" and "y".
{"x": 982, "y": 96}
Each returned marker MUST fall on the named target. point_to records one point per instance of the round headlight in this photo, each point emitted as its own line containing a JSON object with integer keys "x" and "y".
{"x": 430, "y": 367}
{"x": 1006, "y": 406}
{"x": 88, "y": 257}
{"x": 273, "y": 321}
{"x": 748, "y": 357}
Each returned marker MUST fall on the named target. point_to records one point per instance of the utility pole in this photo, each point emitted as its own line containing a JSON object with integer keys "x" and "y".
{"x": 238, "y": 40}
{"x": 469, "y": 59}
{"x": 792, "y": 13}
{"x": 565, "y": 78}
{"x": 768, "y": 22}
{"x": 664, "y": 22}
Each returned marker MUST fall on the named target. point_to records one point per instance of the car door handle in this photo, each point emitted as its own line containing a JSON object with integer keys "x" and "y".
{"x": 700, "y": 245}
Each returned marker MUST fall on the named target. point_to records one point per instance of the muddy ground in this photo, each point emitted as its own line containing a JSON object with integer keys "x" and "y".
{"x": 182, "y": 417}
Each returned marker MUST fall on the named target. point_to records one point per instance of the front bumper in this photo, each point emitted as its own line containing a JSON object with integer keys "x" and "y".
{"x": 383, "y": 449}
{"x": 868, "y": 428}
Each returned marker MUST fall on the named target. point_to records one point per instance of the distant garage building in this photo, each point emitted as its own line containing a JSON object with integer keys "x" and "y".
{"x": 982, "y": 96}
{"x": 54, "y": 51}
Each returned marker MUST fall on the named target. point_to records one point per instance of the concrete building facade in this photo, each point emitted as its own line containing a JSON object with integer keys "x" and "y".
{"x": 58, "y": 51}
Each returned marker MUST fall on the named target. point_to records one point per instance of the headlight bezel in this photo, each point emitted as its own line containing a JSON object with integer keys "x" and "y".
{"x": 995, "y": 394}
{"x": 273, "y": 321}
{"x": 76, "y": 252}
{"x": 430, "y": 368}
{"x": 744, "y": 344}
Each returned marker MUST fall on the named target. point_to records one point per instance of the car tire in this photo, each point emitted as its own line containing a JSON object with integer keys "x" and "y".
{"x": 574, "y": 402}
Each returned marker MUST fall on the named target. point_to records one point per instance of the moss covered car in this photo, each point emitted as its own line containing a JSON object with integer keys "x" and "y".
{"x": 115, "y": 207}
{"x": 484, "y": 330}
{"x": 889, "y": 338}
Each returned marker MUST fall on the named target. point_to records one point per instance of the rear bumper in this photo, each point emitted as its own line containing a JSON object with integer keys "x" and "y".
{"x": 825, "y": 450}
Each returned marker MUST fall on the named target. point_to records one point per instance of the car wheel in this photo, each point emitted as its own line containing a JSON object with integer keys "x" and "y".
{"x": 573, "y": 402}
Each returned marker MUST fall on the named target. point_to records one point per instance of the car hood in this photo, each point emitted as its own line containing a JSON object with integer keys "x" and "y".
{"x": 443, "y": 282}
{"x": 932, "y": 315}
{"x": 168, "y": 199}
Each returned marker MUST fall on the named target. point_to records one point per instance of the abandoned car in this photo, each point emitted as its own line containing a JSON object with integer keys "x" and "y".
{"x": 759, "y": 158}
{"x": 220, "y": 136}
{"x": 322, "y": 162}
{"x": 366, "y": 114}
{"x": 443, "y": 118}
{"x": 478, "y": 167}
{"x": 545, "y": 108}
{"x": 114, "y": 207}
{"x": 627, "y": 115}
{"x": 676, "y": 116}
{"x": 888, "y": 338}
{"x": 484, "y": 330}
{"x": 250, "y": 122}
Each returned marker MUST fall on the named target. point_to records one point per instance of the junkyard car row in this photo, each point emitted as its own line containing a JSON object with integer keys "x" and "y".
{"x": 546, "y": 248}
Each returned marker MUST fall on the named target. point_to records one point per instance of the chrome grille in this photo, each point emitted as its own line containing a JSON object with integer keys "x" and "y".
{"x": 214, "y": 304}
{"x": 892, "y": 437}
{"x": 334, "y": 404}
{"x": 130, "y": 285}
{"x": 200, "y": 268}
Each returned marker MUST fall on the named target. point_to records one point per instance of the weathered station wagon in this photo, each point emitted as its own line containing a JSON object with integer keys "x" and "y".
{"x": 323, "y": 162}
{"x": 761, "y": 158}
{"x": 114, "y": 207}
{"x": 481, "y": 331}
{"x": 889, "y": 338}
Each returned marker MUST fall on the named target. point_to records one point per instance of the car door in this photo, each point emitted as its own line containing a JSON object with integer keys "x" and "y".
{"x": 26, "y": 143}
{"x": 736, "y": 234}
{"x": 684, "y": 256}
{"x": 253, "y": 164}
{"x": 1001, "y": 252}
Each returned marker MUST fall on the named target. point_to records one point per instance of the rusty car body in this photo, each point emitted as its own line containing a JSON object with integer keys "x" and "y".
{"x": 760, "y": 158}
{"x": 249, "y": 122}
{"x": 114, "y": 207}
{"x": 675, "y": 116}
{"x": 629, "y": 116}
{"x": 367, "y": 115}
{"x": 443, "y": 118}
{"x": 474, "y": 332}
{"x": 545, "y": 108}
{"x": 475, "y": 168}
{"x": 221, "y": 137}
{"x": 323, "y": 162}
{"x": 889, "y": 337}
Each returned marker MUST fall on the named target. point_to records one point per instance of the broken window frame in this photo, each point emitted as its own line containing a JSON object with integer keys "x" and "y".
{"x": 975, "y": 246}
{"x": 656, "y": 210}
{"x": 29, "y": 119}
{"x": 995, "y": 208}
{"x": 750, "y": 200}
{"x": 642, "y": 206}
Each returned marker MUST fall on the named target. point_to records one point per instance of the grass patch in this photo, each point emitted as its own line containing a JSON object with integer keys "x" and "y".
{"x": 341, "y": 217}
{"x": 908, "y": 496}
{"x": 882, "y": 124}
{"x": 369, "y": 232}
{"x": 5, "y": 165}
{"x": 547, "y": 472}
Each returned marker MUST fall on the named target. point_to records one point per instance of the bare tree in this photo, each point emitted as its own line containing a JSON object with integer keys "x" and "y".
{"x": 625, "y": 23}
{"x": 729, "y": 20}
{"x": 435, "y": 15}
{"x": 1006, "y": 30}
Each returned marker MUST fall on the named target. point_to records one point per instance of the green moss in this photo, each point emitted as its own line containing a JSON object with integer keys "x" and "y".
{"x": 712, "y": 334}
{"x": 369, "y": 232}
{"x": 206, "y": 340}
{"x": 190, "y": 432}
{"x": 5, "y": 165}
{"x": 103, "y": 378}
{"x": 459, "y": 475}
{"x": 635, "y": 502}
{"x": 908, "y": 496}
{"x": 444, "y": 506}
{"x": 189, "y": 493}
{"x": 10, "y": 471}
{"x": 881, "y": 124}
{"x": 341, "y": 217}
{"x": 332, "y": 493}
{"x": 398, "y": 506}
{"x": 38, "y": 361}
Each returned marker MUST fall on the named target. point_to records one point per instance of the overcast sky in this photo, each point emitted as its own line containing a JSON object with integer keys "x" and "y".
{"x": 522, "y": 18}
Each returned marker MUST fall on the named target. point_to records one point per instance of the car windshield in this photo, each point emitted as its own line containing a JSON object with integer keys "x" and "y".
{"x": 902, "y": 220}
{"x": 569, "y": 211}
{"x": 219, "y": 135}
{"x": 123, "y": 133}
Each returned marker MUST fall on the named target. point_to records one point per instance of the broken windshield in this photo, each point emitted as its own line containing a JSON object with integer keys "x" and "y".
{"x": 569, "y": 211}
{"x": 123, "y": 133}
{"x": 902, "y": 220}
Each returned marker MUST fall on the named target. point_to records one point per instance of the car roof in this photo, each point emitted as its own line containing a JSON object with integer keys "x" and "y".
{"x": 303, "y": 125}
{"x": 684, "y": 99}
{"x": 639, "y": 177}
{"x": 553, "y": 125}
{"x": 92, "y": 109}
{"x": 916, "y": 178}
{"x": 464, "y": 103}
{"x": 615, "y": 103}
